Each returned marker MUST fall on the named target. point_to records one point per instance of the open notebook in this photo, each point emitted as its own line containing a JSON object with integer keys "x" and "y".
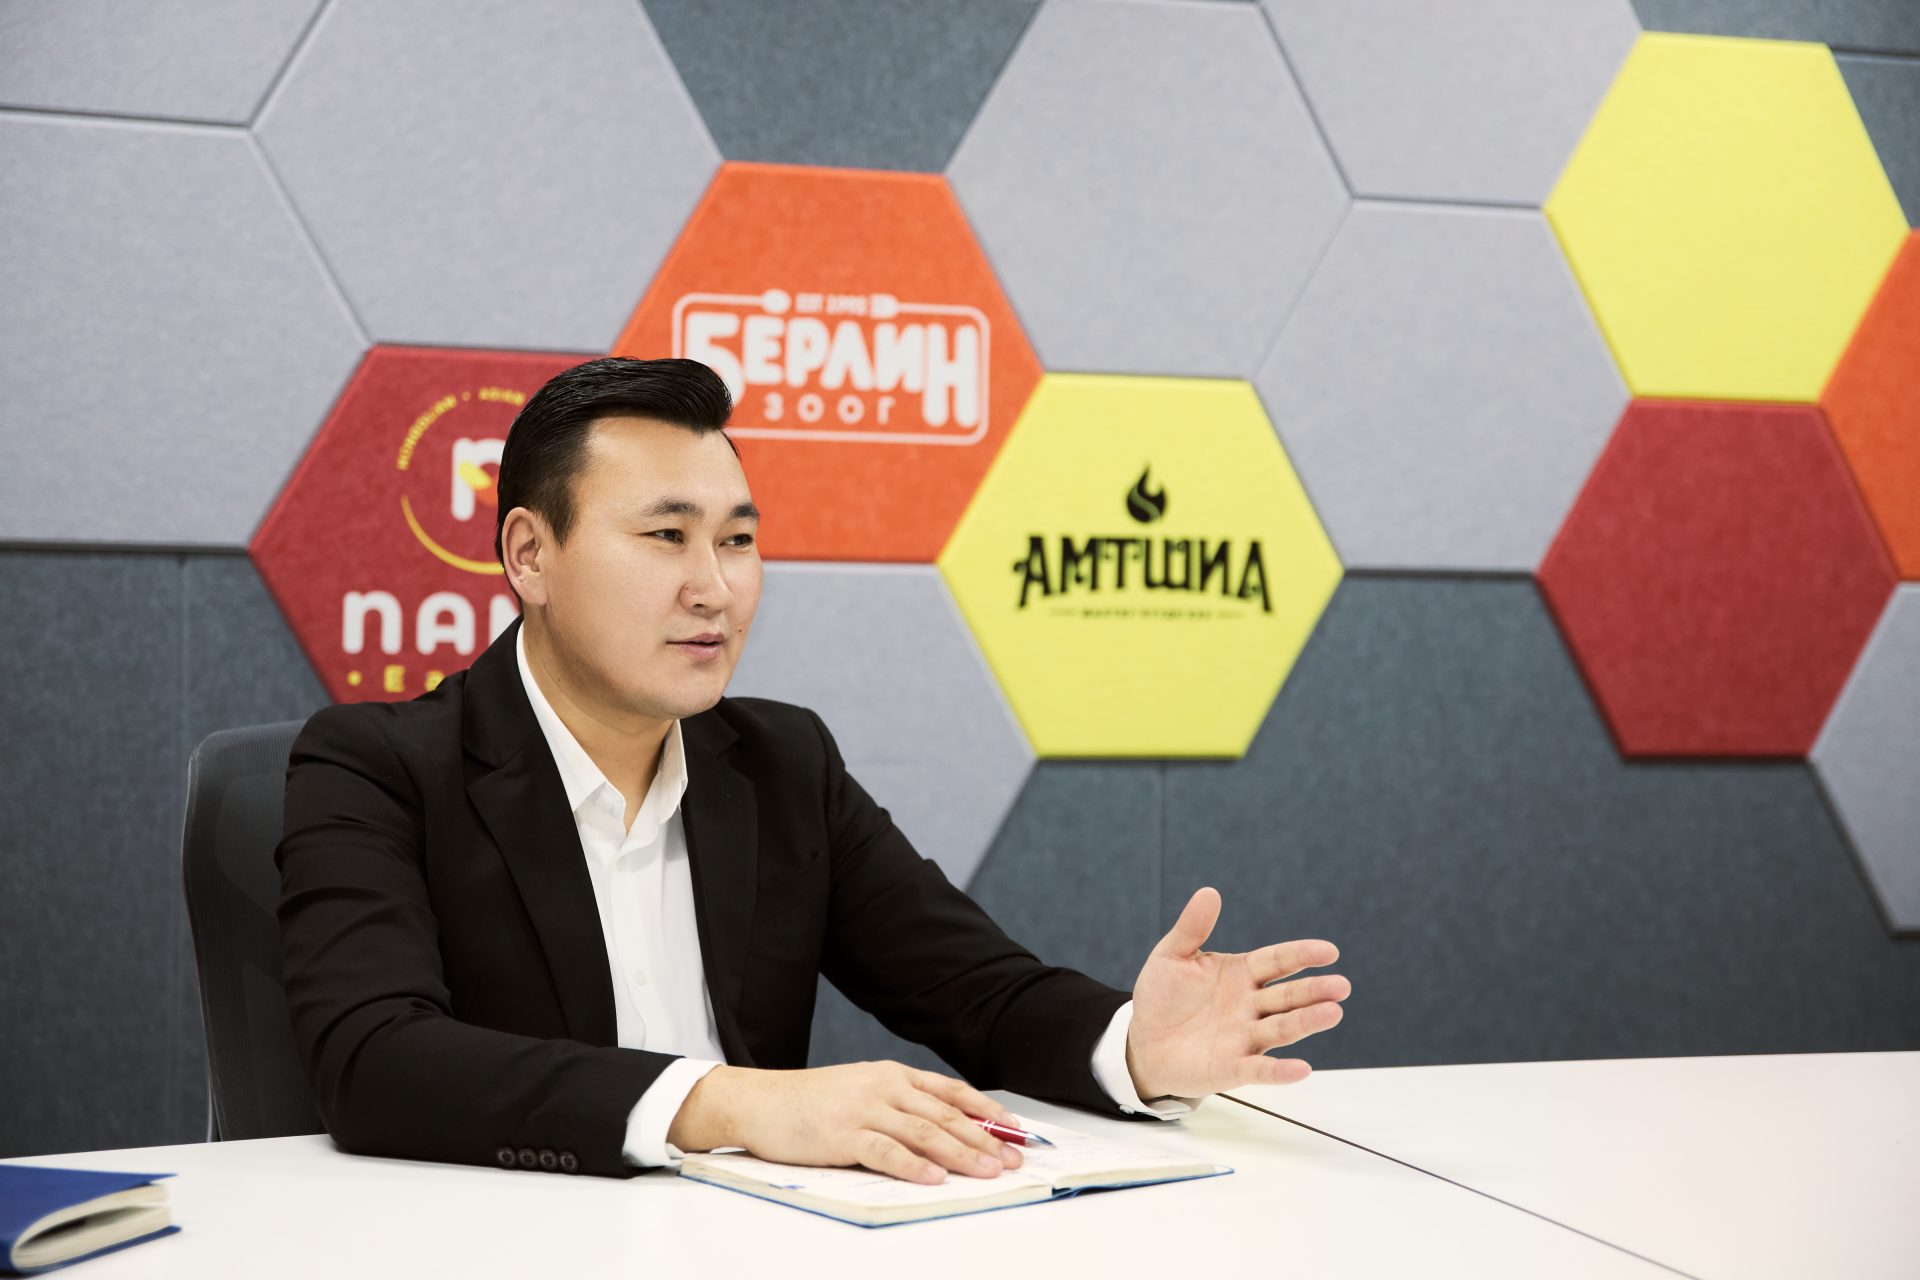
{"x": 1076, "y": 1162}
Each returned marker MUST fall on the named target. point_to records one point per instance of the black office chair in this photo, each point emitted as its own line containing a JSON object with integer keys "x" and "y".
{"x": 256, "y": 1086}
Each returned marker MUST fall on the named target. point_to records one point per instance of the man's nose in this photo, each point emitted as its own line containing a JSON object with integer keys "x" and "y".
{"x": 706, "y": 586}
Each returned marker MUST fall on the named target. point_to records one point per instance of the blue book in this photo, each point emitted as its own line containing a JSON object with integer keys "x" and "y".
{"x": 50, "y": 1217}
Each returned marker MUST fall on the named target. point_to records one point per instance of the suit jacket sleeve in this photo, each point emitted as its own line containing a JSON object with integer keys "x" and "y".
{"x": 394, "y": 1072}
{"x": 913, "y": 950}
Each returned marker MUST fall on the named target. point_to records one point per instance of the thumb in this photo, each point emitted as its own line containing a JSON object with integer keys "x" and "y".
{"x": 1190, "y": 931}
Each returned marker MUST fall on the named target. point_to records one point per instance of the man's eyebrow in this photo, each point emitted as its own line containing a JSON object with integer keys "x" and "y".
{"x": 693, "y": 510}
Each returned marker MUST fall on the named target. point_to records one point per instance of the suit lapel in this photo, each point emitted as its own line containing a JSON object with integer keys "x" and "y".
{"x": 722, "y": 826}
{"x": 524, "y": 807}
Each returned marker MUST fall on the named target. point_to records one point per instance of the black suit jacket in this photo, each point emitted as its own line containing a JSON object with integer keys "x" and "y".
{"x": 444, "y": 963}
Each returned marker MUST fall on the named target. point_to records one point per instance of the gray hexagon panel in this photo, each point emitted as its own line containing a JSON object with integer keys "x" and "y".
{"x": 862, "y": 84}
{"x": 172, "y": 339}
{"x": 883, "y": 655}
{"x": 489, "y": 174}
{"x": 1886, "y": 91}
{"x": 1442, "y": 388}
{"x": 1891, "y": 26}
{"x": 210, "y": 60}
{"x": 1482, "y": 101}
{"x": 1869, "y": 760}
{"x": 1149, "y": 185}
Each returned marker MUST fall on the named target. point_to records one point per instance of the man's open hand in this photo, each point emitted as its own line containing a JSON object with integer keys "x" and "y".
{"x": 885, "y": 1116}
{"x": 1203, "y": 1020}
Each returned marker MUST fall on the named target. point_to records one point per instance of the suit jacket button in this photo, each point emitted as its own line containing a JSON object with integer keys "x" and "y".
{"x": 528, "y": 1159}
{"x": 569, "y": 1163}
{"x": 505, "y": 1156}
{"x": 548, "y": 1161}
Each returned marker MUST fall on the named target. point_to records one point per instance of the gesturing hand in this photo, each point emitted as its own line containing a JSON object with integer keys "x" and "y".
{"x": 886, "y": 1116}
{"x": 1203, "y": 1020}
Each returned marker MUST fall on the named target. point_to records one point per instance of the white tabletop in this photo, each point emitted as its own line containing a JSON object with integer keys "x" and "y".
{"x": 1789, "y": 1165}
{"x": 1299, "y": 1204}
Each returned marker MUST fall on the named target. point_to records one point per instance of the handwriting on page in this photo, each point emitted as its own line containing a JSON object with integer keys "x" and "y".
{"x": 863, "y": 1186}
{"x": 1074, "y": 1153}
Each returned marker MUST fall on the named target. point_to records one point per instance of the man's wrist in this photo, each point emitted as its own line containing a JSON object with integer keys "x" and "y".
{"x": 1141, "y": 1085}
{"x": 707, "y": 1118}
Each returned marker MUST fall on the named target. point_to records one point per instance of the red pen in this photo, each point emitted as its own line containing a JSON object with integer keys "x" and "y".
{"x": 1007, "y": 1133}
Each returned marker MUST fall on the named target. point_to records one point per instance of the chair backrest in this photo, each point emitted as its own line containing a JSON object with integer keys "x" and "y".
{"x": 256, "y": 1085}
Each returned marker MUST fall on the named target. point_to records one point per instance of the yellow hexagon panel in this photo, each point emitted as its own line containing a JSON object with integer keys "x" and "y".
{"x": 1141, "y": 566}
{"x": 1728, "y": 217}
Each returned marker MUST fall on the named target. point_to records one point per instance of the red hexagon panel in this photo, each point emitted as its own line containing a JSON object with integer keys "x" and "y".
{"x": 1873, "y": 404}
{"x": 875, "y": 364}
{"x": 380, "y": 549}
{"x": 1717, "y": 578}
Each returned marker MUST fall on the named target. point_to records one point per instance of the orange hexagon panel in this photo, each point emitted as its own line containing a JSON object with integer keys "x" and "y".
{"x": 380, "y": 549}
{"x": 1717, "y": 578}
{"x": 1873, "y": 403}
{"x": 875, "y": 364}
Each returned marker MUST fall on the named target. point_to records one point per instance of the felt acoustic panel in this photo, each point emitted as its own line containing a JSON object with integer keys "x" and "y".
{"x": 1727, "y": 217}
{"x": 868, "y": 84}
{"x": 209, "y": 60}
{"x": 1441, "y": 388}
{"x": 172, "y": 340}
{"x": 93, "y": 926}
{"x": 1716, "y": 579}
{"x": 244, "y": 666}
{"x": 1873, "y": 405}
{"x": 1892, "y": 26}
{"x": 1074, "y": 877}
{"x": 1433, "y": 793}
{"x": 883, "y": 656}
{"x": 1886, "y": 91}
{"x": 1869, "y": 758}
{"x": 1147, "y": 181}
{"x": 489, "y": 174}
{"x": 1479, "y": 101}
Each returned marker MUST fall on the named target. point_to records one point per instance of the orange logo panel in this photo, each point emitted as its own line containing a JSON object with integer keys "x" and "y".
{"x": 874, "y": 363}
{"x": 380, "y": 549}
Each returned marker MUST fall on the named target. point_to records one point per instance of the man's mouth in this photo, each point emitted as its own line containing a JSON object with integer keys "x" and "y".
{"x": 710, "y": 640}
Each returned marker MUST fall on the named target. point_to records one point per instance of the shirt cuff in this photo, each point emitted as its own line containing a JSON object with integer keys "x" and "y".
{"x": 652, "y": 1116}
{"x": 1110, "y": 1071}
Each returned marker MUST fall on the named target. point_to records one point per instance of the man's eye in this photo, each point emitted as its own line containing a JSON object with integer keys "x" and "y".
{"x": 743, "y": 539}
{"x": 673, "y": 534}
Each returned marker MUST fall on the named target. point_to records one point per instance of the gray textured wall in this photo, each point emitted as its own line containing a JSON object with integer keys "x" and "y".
{"x": 199, "y": 247}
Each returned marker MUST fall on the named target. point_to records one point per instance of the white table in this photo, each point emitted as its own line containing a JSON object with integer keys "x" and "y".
{"x": 1299, "y": 1204}
{"x": 1787, "y": 1165}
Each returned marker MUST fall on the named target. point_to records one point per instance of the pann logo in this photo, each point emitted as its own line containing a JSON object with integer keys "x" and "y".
{"x": 848, "y": 367}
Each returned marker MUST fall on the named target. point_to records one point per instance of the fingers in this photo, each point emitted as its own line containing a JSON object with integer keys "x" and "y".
{"x": 1286, "y": 1028}
{"x": 1264, "y": 1070}
{"x": 958, "y": 1125}
{"x": 960, "y": 1094}
{"x": 1191, "y": 930}
{"x": 1284, "y": 959}
{"x": 1284, "y": 997}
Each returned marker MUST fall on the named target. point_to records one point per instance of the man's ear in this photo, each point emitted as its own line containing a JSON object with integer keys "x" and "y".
{"x": 524, "y": 537}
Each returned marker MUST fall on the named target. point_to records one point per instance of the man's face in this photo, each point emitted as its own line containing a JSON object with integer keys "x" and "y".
{"x": 649, "y": 598}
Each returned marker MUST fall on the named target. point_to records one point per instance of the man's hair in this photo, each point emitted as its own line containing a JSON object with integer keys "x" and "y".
{"x": 547, "y": 443}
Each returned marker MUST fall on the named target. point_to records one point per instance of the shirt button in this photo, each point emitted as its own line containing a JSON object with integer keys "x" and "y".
{"x": 639, "y": 977}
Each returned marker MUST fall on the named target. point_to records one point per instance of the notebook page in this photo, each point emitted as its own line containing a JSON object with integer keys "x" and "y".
{"x": 864, "y": 1186}
{"x": 1080, "y": 1153}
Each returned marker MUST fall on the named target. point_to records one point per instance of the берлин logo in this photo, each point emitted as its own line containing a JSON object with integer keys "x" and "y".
{"x": 832, "y": 366}
{"x": 1100, "y": 562}
{"x": 448, "y": 499}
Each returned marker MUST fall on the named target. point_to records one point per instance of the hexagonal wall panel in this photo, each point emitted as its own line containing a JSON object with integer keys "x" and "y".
{"x": 1727, "y": 217}
{"x": 1717, "y": 578}
{"x": 870, "y": 84}
{"x": 1150, "y": 186}
{"x": 380, "y": 549}
{"x": 1482, "y": 101}
{"x": 874, "y": 362}
{"x": 1892, "y": 26}
{"x": 171, "y": 339}
{"x": 1442, "y": 388}
{"x": 1873, "y": 404}
{"x": 491, "y": 174}
{"x": 1869, "y": 759}
{"x": 1886, "y": 92}
{"x": 884, "y": 657}
{"x": 209, "y": 60}
{"x": 1141, "y": 567}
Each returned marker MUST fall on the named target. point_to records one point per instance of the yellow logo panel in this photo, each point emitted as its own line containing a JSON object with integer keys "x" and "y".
{"x": 1728, "y": 217}
{"x": 1141, "y": 566}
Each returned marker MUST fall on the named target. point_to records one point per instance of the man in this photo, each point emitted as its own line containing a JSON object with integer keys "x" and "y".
{"x": 567, "y": 911}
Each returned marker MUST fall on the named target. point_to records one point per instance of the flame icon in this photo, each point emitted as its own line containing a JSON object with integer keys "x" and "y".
{"x": 1143, "y": 504}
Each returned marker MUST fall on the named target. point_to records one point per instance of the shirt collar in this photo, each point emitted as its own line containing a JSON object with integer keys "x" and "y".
{"x": 582, "y": 778}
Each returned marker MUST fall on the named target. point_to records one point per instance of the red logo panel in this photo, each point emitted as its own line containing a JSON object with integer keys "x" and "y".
{"x": 380, "y": 549}
{"x": 875, "y": 364}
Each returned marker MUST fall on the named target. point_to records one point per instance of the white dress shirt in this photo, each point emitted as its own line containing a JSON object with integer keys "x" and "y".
{"x": 644, "y": 893}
